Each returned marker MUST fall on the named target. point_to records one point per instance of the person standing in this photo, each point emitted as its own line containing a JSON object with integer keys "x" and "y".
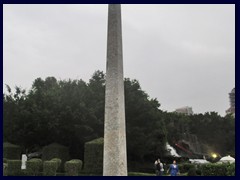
{"x": 173, "y": 169}
{"x": 161, "y": 168}
{"x": 158, "y": 167}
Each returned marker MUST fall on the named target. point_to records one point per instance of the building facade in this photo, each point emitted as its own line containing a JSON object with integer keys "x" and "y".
{"x": 231, "y": 110}
{"x": 185, "y": 110}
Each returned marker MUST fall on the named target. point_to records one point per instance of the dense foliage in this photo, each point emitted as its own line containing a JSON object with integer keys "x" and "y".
{"x": 185, "y": 167}
{"x": 59, "y": 162}
{"x": 93, "y": 156}
{"x": 14, "y": 167}
{"x": 73, "y": 167}
{"x": 50, "y": 168}
{"x": 11, "y": 151}
{"x": 34, "y": 166}
{"x": 225, "y": 169}
{"x": 56, "y": 152}
{"x": 214, "y": 133}
{"x": 71, "y": 113}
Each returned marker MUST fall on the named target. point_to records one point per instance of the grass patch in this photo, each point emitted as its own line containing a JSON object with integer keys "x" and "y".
{"x": 140, "y": 174}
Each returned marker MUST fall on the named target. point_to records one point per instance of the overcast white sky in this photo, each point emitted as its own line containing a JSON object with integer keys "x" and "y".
{"x": 183, "y": 55}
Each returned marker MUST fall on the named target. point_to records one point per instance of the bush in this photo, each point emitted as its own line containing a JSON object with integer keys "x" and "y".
{"x": 59, "y": 161}
{"x": 73, "y": 167}
{"x": 50, "y": 168}
{"x": 192, "y": 172}
{"x": 5, "y": 169}
{"x": 231, "y": 169}
{"x": 56, "y": 151}
{"x": 34, "y": 166}
{"x": 214, "y": 169}
{"x": 198, "y": 172}
{"x": 14, "y": 167}
{"x": 25, "y": 172}
{"x": 184, "y": 168}
{"x": 11, "y": 151}
{"x": 93, "y": 156}
{"x": 4, "y": 160}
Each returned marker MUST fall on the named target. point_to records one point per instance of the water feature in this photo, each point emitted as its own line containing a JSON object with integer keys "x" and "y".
{"x": 172, "y": 151}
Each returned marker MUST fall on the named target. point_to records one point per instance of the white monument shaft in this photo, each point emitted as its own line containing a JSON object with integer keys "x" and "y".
{"x": 115, "y": 156}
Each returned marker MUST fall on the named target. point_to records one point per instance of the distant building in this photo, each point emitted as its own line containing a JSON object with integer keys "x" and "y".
{"x": 231, "y": 110}
{"x": 185, "y": 110}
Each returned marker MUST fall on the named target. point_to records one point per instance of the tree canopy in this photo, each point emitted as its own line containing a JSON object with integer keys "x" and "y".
{"x": 71, "y": 112}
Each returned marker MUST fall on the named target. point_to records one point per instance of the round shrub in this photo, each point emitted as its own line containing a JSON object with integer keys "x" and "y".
{"x": 50, "y": 168}
{"x": 34, "y": 166}
{"x": 11, "y": 151}
{"x": 73, "y": 167}
{"x": 14, "y": 167}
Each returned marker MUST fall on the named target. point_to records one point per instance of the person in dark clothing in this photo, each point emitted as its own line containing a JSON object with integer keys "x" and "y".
{"x": 158, "y": 167}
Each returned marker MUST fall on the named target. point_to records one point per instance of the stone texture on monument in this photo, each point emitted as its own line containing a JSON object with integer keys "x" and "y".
{"x": 115, "y": 157}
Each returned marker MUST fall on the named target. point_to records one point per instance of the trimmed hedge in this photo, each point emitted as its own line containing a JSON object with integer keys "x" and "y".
{"x": 14, "y": 167}
{"x": 34, "y": 166}
{"x": 50, "y": 168}
{"x": 55, "y": 150}
{"x": 5, "y": 169}
{"x": 11, "y": 151}
{"x": 73, "y": 167}
{"x": 93, "y": 156}
{"x": 213, "y": 169}
{"x": 25, "y": 172}
{"x": 59, "y": 161}
{"x": 218, "y": 169}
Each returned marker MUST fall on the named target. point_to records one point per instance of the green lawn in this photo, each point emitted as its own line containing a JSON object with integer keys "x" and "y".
{"x": 140, "y": 174}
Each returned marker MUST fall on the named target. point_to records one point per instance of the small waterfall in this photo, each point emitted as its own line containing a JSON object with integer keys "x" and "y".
{"x": 172, "y": 151}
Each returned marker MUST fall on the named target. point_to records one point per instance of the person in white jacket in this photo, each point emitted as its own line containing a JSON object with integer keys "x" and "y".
{"x": 159, "y": 167}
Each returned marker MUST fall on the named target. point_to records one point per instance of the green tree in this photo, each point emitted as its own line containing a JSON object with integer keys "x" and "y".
{"x": 145, "y": 127}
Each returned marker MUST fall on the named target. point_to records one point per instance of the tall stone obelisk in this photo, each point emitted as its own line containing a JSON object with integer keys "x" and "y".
{"x": 115, "y": 155}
